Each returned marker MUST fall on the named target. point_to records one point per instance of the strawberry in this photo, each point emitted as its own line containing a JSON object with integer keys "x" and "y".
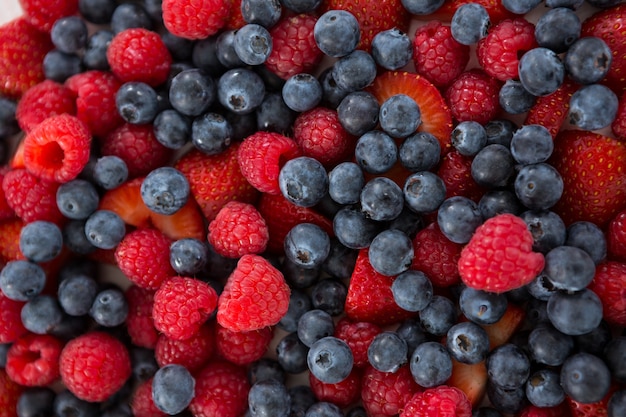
{"x": 435, "y": 114}
{"x": 471, "y": 379}
{"x": 43, "y": 13}
{"x": 10, "y": 240}
{"x": 551, "y": 110}
{"x": 373, "y": 17}
{"x": 10, "y": 393}
{"x": 597, "y": 409}
{"x": 593, "y": 168}
{"x": 456, "y": 172}
{"x": 501, "y": 331}
{"x": 609, "y": 283}
{"x": 496, "y": 10}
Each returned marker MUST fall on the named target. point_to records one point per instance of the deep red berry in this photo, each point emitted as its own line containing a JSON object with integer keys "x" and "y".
{"x": 94, "y": 366}
{"x": 243, "y": 348}
{"x": 343, "y": 393}
{"x": 550, "y": 111}
{"x": 499, "y": 256}
{"x": 616, "y": 237}
{"x": 139, "y": 54}
{"x": 192, "y": 19}
{"x": 385, "y": 394}
{"x": 456, "y": 172}
{"x": 473, "y": 96}
{"x": 221, "y": 391}
{"x": 10, "y": 393}
{"x": 619, "y": 124}
{"x": 6, "y": 212}
{"x": 192, "y": 353}
{"x": 255, "y": 295}
{"x": 358, "y": 335}
{"x": 450, "y": 401}
{"x": 237, "y": 230}
{"x": 31, "y": 197}
{"x": 43, "y": 13}
{"x": 436, "y": 256}
{"x": 235, "y": 18}
{"x": 139, "y": 322}
{"x": 609, "y": 283}
{"x": 142, "y": 404}
{"x": 182, "y": 305}
{"x": 33, "y": 360}
{"x": 143, "y": 256}
{"x": 48, "y": 98}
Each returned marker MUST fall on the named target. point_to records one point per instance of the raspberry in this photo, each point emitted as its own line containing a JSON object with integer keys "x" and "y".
{"x": 11, "y": 392}
{"x": 182, "y": 305}
{"x": 43, "y": 13}
{"x": 320, "y": 135}
{"x": 262, "y": 155}
{"x": 237, "y": 230}
{"x": 450, "y": 401}
{"x": 437, "y": 55}
{"x": 456, "y": 172}
{"x": 499, "y": 51}
{"x": 243, "y": 348}
{"x": 33, "y": 360}
{"x": 11, "y": 327}
{"x": 499, "y": 256}
{"x": 221, "y": 391}
{"x": 358, "y": 335}
{"x": 139, "y": 322}
{"x": 142, "y": 404}
{"x": 48, "y": 98}
{"x": 616, "y": 237}
{"x": 193, "y": 19}
{"x": 138, "y": 147}
{"x": 139, "y": 54}
{"x": 436, "y": 256}
{"x": 293, "y": 46}
{"x": 58, "y": 148}
{"x": 385, "y": 393}
{"x": 342, "y": 394}
{"x": 609, "y": 283}
{"x": 473, "y": 96}
{"x": 143, "y": 256}
{"x": 94, "y": 366}
{"x": 255, "y": 295}
{"x": 192, "y": 353}
{"x": 31, "y": 197}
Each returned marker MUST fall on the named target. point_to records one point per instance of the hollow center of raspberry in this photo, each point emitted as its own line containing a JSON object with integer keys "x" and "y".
{"x": 31, "y": 356}
{"x": 53, "y": 155}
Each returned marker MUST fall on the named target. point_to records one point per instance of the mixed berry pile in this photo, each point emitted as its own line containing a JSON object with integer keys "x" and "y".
{"x": 313, "y": 208}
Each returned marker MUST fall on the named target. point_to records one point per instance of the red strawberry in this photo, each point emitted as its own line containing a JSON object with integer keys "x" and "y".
{"x": 456, "y": 172}
{"x": 593, "y": 168}
{"x": 435, "y": 114}
{"x": 373, "y": 17}
{"x": 609, "y": 283}
{"x": 597, "y": 409}
{"x": 10, "y": 393}
{"x": 471, "y": 379}
{"x": 551, "y": 110}
{"x": 43, "y": 13}
{"x": 560, "y": 410}
{"x": 496, "y": 10}
{"x": 436, "y": 256}
{"x": 619, "y": 124}
{"x": 22, "y": 49}
{"x": 501, "y": 331}
{"x": 10, "y": 240}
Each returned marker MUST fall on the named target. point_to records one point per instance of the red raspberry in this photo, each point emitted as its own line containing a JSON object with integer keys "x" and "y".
{"x": 342, "y": 394}
{"x": 499, "y": 52}
{"x": 6, "y": 212}
{"x": 235, "y": 19}
{"x": 139, "y": 322}
{"x": 358, "y": 335}
{"x": 10, "y": 393}
{"x": 437, "y": 55}
{"x": 31, "y": 197}
{"x": 255, "y": 295}
{"x": 43, "y": 13}
{"x": 138, "y": 147}
{"x": 139, "y": 54}
{"x": 473, "y": 96}
{"x": 556, "y": 411}
{"x": 320, "y": 135}
{"x": 33, "y": 360}
{"x": 195, "y": 19}
{"x": 58, "y": 148}
{"x": 262, "y": 155}
{"x": 499, "y": 255}
{"x": 144, "y": 257}
{"x": 243, "y": 348}
{"x": 609, "y": 284}
{"x": 293, "y": 46}
{"x": 192, "y": 353}
{"x": 95, "y": 100}
{"x": 142, "y": 404}
{"x": 450, "y": 401}
{"x": 11, "y": 327}
{"x": 237, "y": 230}
{"x": 182, "y": 305}
{"x": 616, "y": 237}
{"x": 48, "y": 98}
{"x": 436, "y": 256}
{"x": 94, "y": 366}
{"x": 456, "y": 172}
{"x": 221, "y": 391}
{"x": 386, "y": 393}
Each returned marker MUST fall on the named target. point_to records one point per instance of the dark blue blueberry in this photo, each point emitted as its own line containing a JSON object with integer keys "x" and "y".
{"x": 302, "y": 92}
{"x": 548, "y": 346}
{"x": 302, "y": 398}
{"x": 253, "y": 44}
{"x": 130, "y": 15}
{"x": 532, "y": 144}
{"x": 137, "y": 102}
{"x": 376, "y": 152}
{"x": 314, "y": 325}
{"x": 387, "y": 352}
{"x": 541, "y": 71}
{"x": 110, "y": 172}
{"x": 617, "y": 404}
{"x": 593, "y": 107}
{"x": 538, "y": 186}
{"x": 299, "y": 303}
{"x": 143, "y": 362}
{"x": 438, "y": 316}
{"x": 95, "y": 54}
{"x": 172, "y": 129}
{"x": 165, "y": 190}
{"x": 340, "y": 260}
{"x": 204, "y": 56}
{"x": 329, "y": 295}
{"x": 558, "y": 29}
{"x": 303, "y": 181}
{"x": 154, "y": 9}
{"x": 482, "y": 307}
{"x": 180, "y": 48}
{"x": 495, "y": 202}
{"x": 109, "y": 308}
{"x": 301, "y": 6}
{"x": 69, "y": 34}
{"x": 211, "y": 133}
{"x": 596, "y": 340}
{"x": 493, "y": 166}
{"x": 269, "y": 398}
{"x": 76, "y": 294}
{"x": 392, "y": 49}
{"x": 508, "y": 366}
{"x": 332, "y": 94}
{"x": 41, "y": 314}
{"x": 323, "y": 409}
{"x": 354, "y": 229}
{"x": 381, "y": 199}
{"x": 67, "y": 404}
{"x": 468, "y": 137}
{"x": 588, "y": 237}
{"x": 408, "y": 222}
{"x": 188, "y": 256}
{"x": 35, "y": 402}
{"x": 192, "y": 92}
{"x": 541, "y": 288}
{"x": 354, "y": 71}
{"x": 307, "y": 245}
{"x": 430, "y": 364}
{"x": 514, "y": 98}
{"x": 8, "y": 122}
{"x": 345, "y": 182}
{"x": 569, "y": 268}
{"x": 172, "y": 388}
{"x": 585, "y": 377}
{"x": 458, "y": 217}
{"x": 399, "y": 116}
{"x": 240, "y": 90}
{"x": 575, "y": 313}
{"x": 298, "y": 276}
{"x": 59, "y": 66}
{"x": 615, "y": 358}
{"x": 4, "y": 349}
{"x": 419, "y": 152}
{"x": 41, "y": 241}
{"x": 467, "y": 342}
{"x": 505, "y": 400}
{"x": 358, "y": 112}
{"x": 588, "y": 60}
{"x": 486, "y": 412}
{"x": 412, "y": 290}
{"x": 71, "y": 327}
{"x": 97, "y": 11}
{"x": 469, "y": 23}
{"x": 603, "y": 4}
{"x": 330, "y": 360}
{"x": 291, "y": 353}
{"x": 77, "y": 199}
{"x": 520, "y": 6}
{"x": 105, "y": 229}
{"x": 262, "y": 12}
{"x": 391, "y": 252}
{"x": 571, "y": 4}
{"x": 547, "y": 229}
{"x": 337, "y": 33}
{"x": 500, "y": 131}
{"x": 264, "y": 369}
{"x": 273, "y": 115}
{"x": 118, "y": 410}
{"x": 22, "y": 280}
{"x": 422, "y": 7}
{"x": 537, "y": 312}
{"x": 412, "y": 332}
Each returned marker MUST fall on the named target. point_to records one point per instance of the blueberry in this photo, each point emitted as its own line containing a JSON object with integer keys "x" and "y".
{"x": 458, "y": 217}
{"x": 273, "y": 115}
{"x": 59, "y": 66}
{"x": 314, "y": 325}
{"x": 137, "y": 102}
{"x": 376, "y": 152}
{"x": 303, "y": 181}
{"x": 262, "y": 12}
{"x": 337, "y": 33}
{"x": 548, "y": 346}
{"x": 531, "y": 144}
{"x": 541, "y": 71}
{"x": 192, "y": 92}
{"x": 495, "y": 202}
{"x": 392, "y": 49}
{"x": 340, "y": 260}
{"x": 253, "y": 44}
{"x": 298, "y": 276}
{"x": 391, "y": 252}
{"x": 240, "y": 90}
{"x": 469, "y": 23}
{"x": 575, "y": 313}
{"x": 211, "y": 133}
{"x": 520, "y": 6}
{"x": 172, "y": 388}
{"x": 41, "y": 314}
{"x": 105, "y": 229}
{"x": 332, "y": 93}
{"x": 307, "y": 245}
{"x": 508, "y": 366}
{"x": 570, "y": 4}
{"x": 538, "y": 186}
{"x": 468, "y": 137}
{"x": 500, "y": 131}
{"x": 589, "y": 237}
{"x": 558, "y": 29}
{"x": 77, "y": 199}
{"x": 617, "y": 404}
{"x": 354, "y": 229}
{"x": 329, "y": 295}
{"x": 569, "y": 268}
{"x": 143, "y": 362}
{"x": 109, "y": 308}
{"x": 299, "y": 303}
{"x": 358, "y": 112}
{"x": 291, "y": 353}
{"x": 97, "y": 11}
{"x": 482, "y": 307}
{"x": 430, "y": 364}
{"x": 69, "y": 34}
{"x": 302, "y": 92}
{"x": 323, "y": 409}
{"x": 507, "y": 400}
{"x": 540, "y": 288}
{"x": 493, "y": 166}
{"x": 35, "y": 401}
{"x": 486, "y": 412}
{"x": 412, "y": 332}
{"x": 615, "y": 358}
{"x": 381, "y": 199}
{"x": 8, "y": 122}
{"x": 67, "y": 404}
{"x": 354, "y": 71}
{"x": 585, "y": 378}
{"x": 412, "y": 290}
{"x": 399, "y": 116}
{"x": 595, "y": 341}
{"x": 40, "y": 241}
{"x": 345, "y": 182}
{"x": 76, "y": 294}
{"x": 188, "y": 256}
{"x": 330, "y": 360}
{"x": 514, "y": 98}
{"x": 302, "y": 397}
{"x": 172, "y": 129}
{"x": 387, "y": 352}
{"x": 588, "y": 60}
{"x": 593, "y": 107}
{"x": 301, "y": 6}
{"x": 180, "y": 48}
{"x": 419, "y": 152}
{"x": 467, "y": 342}
{"x": 22, "y": 280}
{"x": 264, "y": 369}
{"x": 165, "y": 190}
{"x": 438, "y": 316}
{"x": 204, "y": 56}
{"x": 130, "y": 15}
{"x": 547, "y": 229}
{"x": 110, "y": 172}
{"x": 269, "y": 398}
